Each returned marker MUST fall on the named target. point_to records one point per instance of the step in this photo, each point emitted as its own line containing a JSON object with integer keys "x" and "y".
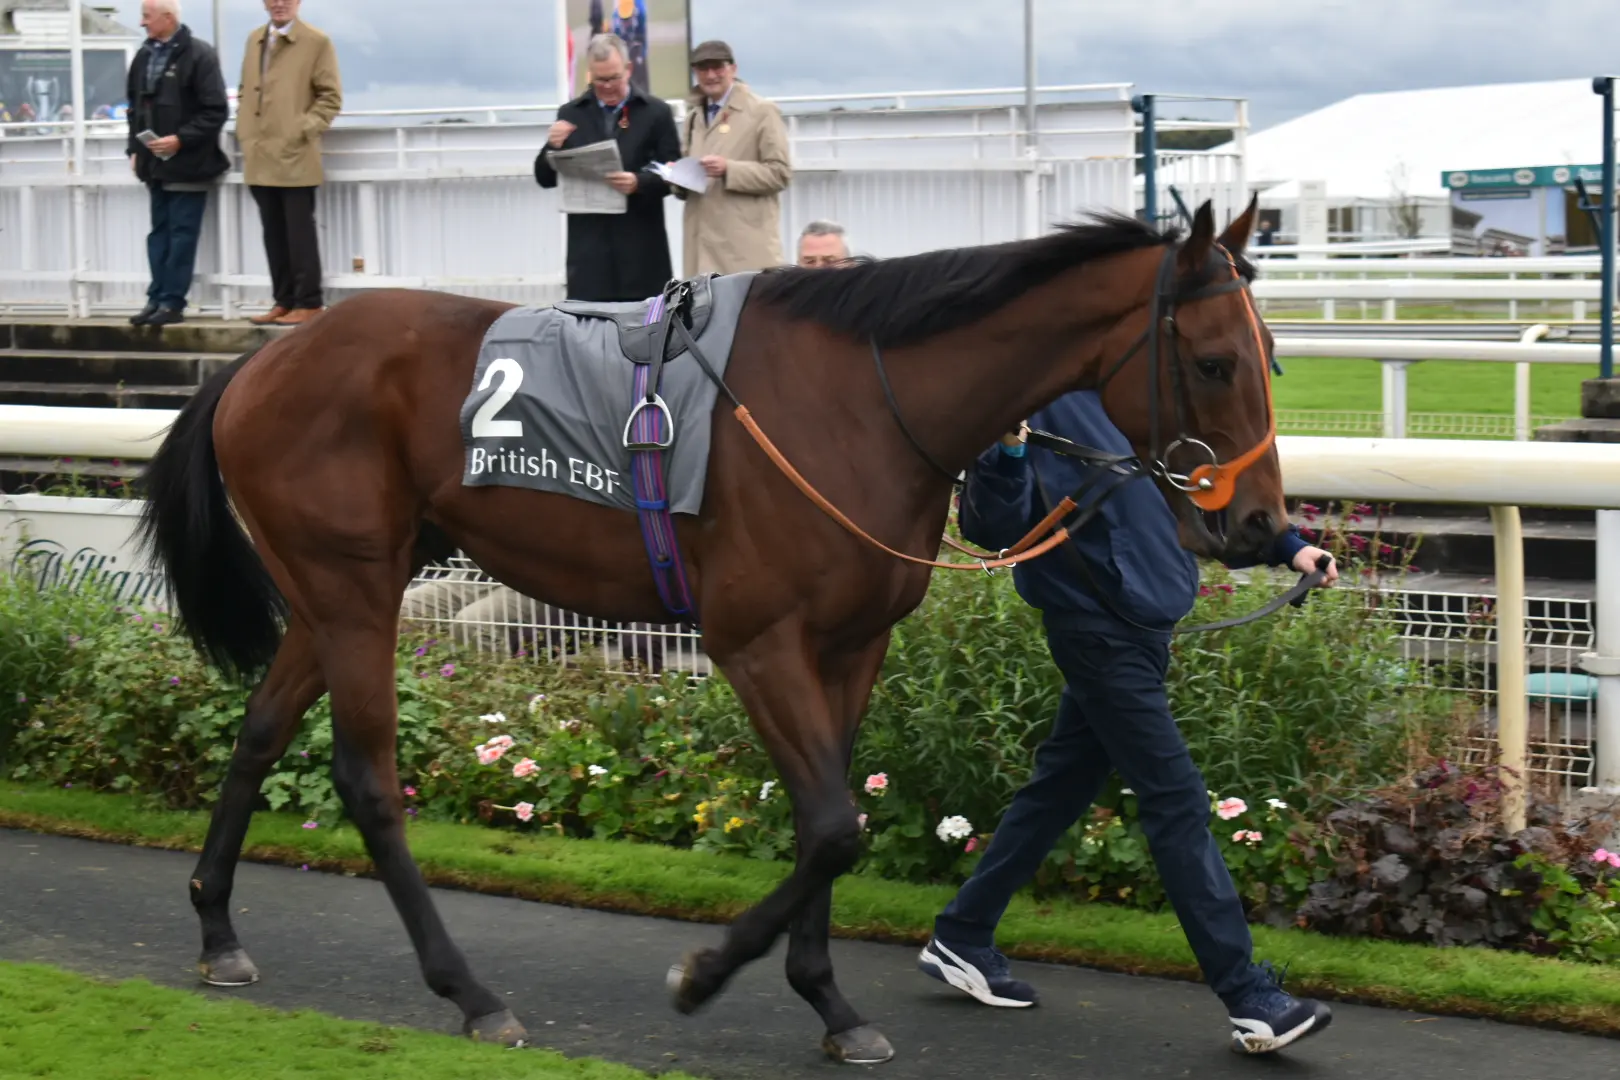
{"x": 94, "y": 395}
{"x": 116, "y": 335}
{"x": 189, "y": 369}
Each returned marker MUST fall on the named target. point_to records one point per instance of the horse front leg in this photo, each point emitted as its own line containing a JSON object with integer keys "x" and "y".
{"x": 808, "y": 737}
{"x": 849, "y": 1038}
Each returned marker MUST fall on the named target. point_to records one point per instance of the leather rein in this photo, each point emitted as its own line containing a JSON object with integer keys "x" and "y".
{"x": 1210, "y": 486}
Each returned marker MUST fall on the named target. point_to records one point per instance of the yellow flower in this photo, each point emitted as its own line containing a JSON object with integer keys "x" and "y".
{"x": 702, "y": 806}
{"x": 727, "y": 784}
{"x": 734, "y": 824}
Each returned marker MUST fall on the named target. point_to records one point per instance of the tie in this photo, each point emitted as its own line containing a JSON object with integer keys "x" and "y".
{"x": 713, "y": 108}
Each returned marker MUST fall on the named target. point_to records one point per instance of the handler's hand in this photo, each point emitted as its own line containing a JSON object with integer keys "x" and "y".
{"x": 559, "y": 134}
{"x": 1305, "y": 562}
{"x": 713, "y": 164}
{"x": 624, "y": 183}
{"x": 1015, "y": 436}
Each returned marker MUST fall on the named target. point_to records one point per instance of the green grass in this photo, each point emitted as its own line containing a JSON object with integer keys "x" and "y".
{"x": 55, "y": 1024}
{"x": 1434, "y": 386}
{"x": 652, "y": 880}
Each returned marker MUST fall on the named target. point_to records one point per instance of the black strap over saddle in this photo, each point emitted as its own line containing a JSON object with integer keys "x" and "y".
{"x": 690, "y": 299}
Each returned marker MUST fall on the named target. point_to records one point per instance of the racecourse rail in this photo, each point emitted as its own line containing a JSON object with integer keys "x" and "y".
{"x": 1503, "y": 476}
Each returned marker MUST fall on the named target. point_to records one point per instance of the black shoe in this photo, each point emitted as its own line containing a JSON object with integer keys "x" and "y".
{"x": 165, "y": 316}
{"x": 144, "y": 314}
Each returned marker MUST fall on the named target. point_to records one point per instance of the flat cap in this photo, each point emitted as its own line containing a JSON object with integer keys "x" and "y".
{"x": 710, "y": 51}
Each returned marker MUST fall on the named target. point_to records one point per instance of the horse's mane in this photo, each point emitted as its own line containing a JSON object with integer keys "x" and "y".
{"x": 906, "y": 299}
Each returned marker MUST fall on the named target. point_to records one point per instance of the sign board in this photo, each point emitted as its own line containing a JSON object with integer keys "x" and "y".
{"x": 1529, "y": 177}
{"x": 37, "y": 84}
{"x": 75, "y": 542}
{"x": 1313, "y": 223}
{"x": 658, "y": 33}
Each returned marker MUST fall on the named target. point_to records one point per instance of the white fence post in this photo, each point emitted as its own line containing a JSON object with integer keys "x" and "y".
{"x": 1394, "y": 378}
{"x": 1512, "y": 708}
{"x": 1605, "y": 661}
{"x": 1521, "y": 385}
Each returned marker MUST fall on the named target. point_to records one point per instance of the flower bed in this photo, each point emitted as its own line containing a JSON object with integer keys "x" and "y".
{"x": 1304, "y": 724}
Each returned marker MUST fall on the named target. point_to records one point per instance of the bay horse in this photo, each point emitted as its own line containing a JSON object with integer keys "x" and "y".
{"x": 299, "y": 491}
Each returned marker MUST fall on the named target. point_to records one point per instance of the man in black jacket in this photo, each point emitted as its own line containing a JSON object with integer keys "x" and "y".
{"x": 177, "y": 94}
{"x": 616, "y": 256}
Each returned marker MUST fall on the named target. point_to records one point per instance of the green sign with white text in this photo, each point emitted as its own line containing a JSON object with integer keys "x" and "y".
{"x": 1538, "y": 176}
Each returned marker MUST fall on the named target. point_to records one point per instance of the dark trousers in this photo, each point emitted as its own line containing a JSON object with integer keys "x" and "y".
{"x": 1115, "y": 714}
{"x": 290, "y": 244}
{"x": 171, "y": 246}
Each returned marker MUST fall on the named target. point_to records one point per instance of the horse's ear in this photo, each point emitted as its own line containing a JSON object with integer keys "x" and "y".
{"x": 1237, "y": 235}
{"x": 1195, "y": 251}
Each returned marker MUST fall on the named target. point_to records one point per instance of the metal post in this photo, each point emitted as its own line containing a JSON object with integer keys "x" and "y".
{"x": 1512, "y": 707}
{"x": 81, "y": 239}
{"x": 1143, "y": 103}
{"x": 1032, "y": 150}
{"x": 1521, "y": 384}
{"x": 219, "y": 33}
{"x": 1604, "y": 86}
{"x": 1394, "y": 378}
{"x": 1605, "y": 661}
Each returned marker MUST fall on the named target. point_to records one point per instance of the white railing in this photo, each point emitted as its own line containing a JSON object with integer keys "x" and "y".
{"x": 1397, "y": 355}
{"x": 1383, "y": 266}
{"x": 455, "y": 206}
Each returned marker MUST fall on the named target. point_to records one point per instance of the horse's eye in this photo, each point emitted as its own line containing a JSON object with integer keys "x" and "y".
{"x": 1210, "y": 369}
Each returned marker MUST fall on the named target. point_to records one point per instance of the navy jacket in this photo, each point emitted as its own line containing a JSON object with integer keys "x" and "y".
{"x": 1129, "y": 547}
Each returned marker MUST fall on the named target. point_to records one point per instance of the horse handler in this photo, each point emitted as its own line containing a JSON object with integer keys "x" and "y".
{"x": 1108, "y": 625}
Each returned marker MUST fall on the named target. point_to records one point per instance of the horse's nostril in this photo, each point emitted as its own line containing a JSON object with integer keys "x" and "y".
{"x": 1261, "y": 521}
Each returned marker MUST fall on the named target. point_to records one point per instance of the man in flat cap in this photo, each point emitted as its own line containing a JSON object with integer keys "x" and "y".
{"x": 742, "y": 143}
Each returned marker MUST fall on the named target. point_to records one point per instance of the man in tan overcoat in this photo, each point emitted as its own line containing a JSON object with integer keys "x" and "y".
{"x": 289, "y": 95}
{"x": 740, "y": 139}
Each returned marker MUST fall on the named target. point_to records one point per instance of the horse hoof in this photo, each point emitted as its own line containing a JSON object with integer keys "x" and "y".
{"x": 498, "y": 1027}
{"x": 229, "y": 968}
{"x": 864, "y": 1045}
{"x": 682, "y": 983}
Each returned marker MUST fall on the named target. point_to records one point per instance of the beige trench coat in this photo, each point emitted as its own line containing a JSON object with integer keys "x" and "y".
{"x": 736, "y": 224}
{"x": 280, "y": 119}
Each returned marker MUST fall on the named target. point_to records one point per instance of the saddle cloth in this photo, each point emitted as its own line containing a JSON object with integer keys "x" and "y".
{"x": 551, "y": 396}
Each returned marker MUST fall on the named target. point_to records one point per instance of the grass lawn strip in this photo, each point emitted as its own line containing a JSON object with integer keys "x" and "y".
{"x": 57, "y": 1024}
{"x": 647, "y": 879}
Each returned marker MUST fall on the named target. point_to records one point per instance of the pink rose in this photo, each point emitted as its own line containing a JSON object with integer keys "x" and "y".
{"x": 524, "y": 811}
{"x": 526, "y": 767}
{"x": 1227, "y": 809}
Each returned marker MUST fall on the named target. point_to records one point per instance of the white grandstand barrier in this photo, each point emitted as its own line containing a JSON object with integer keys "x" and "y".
{"x": 455, "y": 206}
{"x": 1418, "y": 246}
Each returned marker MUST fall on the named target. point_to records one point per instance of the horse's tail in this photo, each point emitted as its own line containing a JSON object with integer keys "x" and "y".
{"x": 218, "y": 586}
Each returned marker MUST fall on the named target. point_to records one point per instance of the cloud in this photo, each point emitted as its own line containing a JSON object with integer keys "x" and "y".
{"x": 1286, "y": 57}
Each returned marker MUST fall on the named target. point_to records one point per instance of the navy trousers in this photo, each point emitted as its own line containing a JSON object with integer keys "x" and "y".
{"x": 171, "y": 246}
{"x": 1115, "y": 714}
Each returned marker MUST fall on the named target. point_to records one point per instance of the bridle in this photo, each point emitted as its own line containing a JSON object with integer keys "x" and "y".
{"x": 1210, "y": 486}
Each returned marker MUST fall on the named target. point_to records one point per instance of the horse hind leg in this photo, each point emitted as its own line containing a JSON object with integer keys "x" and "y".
{"x": 356, "y": 603}
{"x": 274, "y": 711}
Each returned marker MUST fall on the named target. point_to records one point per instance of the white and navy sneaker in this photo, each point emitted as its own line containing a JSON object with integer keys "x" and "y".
{"x": 1267, "y": 1019}
{"x": 977, "y": 971}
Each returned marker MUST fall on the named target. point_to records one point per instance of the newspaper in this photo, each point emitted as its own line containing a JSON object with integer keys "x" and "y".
{"x": 687, "y": 173}
{"x": 580, "y": 178}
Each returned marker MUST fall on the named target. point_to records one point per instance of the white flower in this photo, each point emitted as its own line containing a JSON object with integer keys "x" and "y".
{"x": 660, "y": 699}
{"x": 765, "y": 790}
{"x": 534, "y": 703}
{"x": 1276, "y": 804}
{"x": 493, "y": 718}
{"x": 1126, "y": 791}
{"x": 597, "y": 770}
{"x": 956, "y": 827}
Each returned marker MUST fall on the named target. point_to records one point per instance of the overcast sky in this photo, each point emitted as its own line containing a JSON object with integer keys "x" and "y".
{"x": 1286, "y": 56}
